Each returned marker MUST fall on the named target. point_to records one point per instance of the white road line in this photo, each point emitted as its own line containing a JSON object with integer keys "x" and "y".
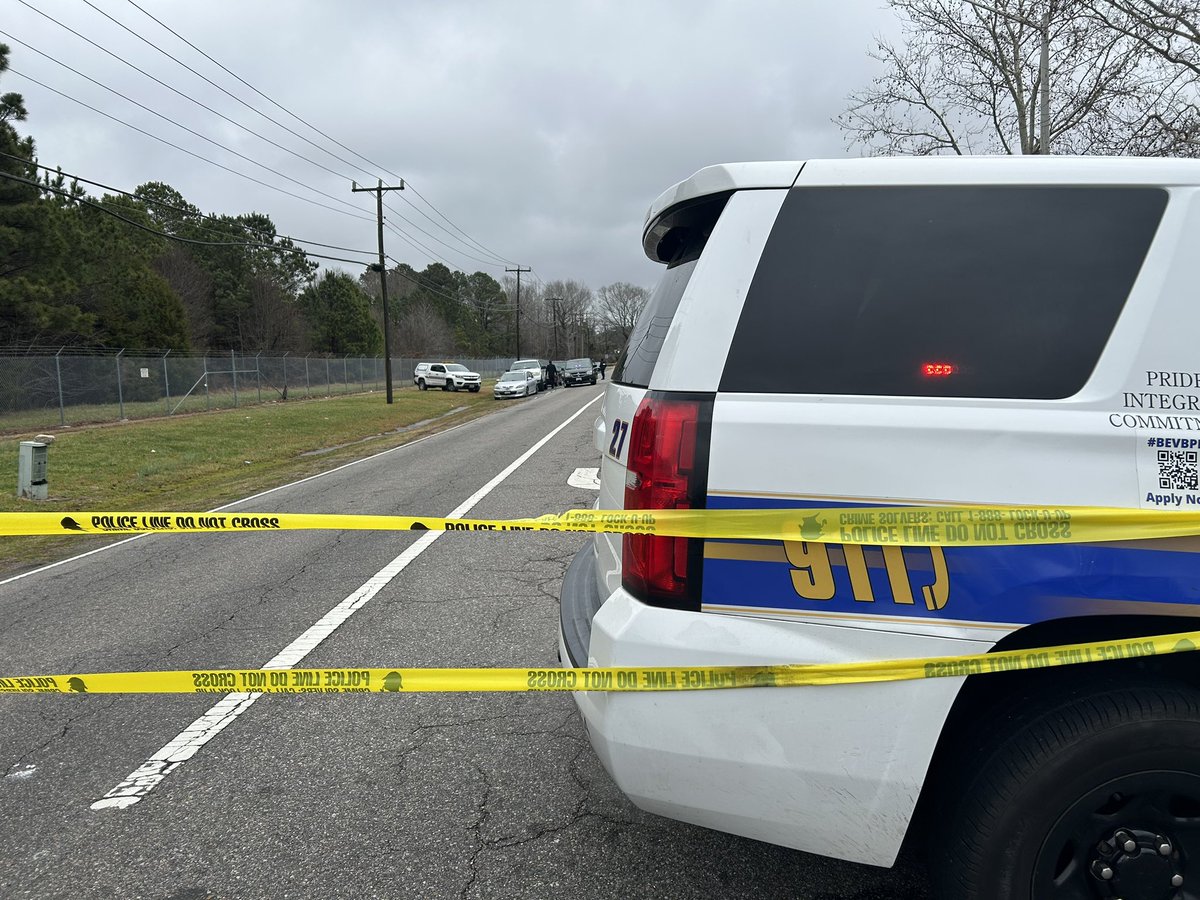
{"x": 138, "y": 537}
{"x": 142, "y": 780}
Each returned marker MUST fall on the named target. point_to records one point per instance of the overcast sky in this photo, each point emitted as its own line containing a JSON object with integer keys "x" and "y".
{"x": 541, "y": 129}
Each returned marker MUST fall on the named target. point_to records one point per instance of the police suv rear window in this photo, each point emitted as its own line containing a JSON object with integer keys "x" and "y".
{"x": 940, "y": 291}
{"x": 677, "y": 238}
{"x": 636, "y": 364}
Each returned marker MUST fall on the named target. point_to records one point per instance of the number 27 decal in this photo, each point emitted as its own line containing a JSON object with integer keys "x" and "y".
{"x": 619, "y": 430}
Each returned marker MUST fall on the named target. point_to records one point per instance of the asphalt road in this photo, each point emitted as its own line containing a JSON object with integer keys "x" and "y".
{"x": 347, "y": 796}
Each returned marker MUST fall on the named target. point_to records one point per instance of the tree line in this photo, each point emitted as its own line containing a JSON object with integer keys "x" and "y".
{"x": 149, "y": 270}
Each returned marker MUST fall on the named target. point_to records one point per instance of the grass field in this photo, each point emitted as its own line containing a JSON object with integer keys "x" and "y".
{"x": 80, "y": 414}
{"x": 203, "y": 460}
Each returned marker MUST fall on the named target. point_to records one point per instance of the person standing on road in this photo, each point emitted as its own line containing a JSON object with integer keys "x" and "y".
{"x": 551, "y": 374}
{"x": 602, "y": 365}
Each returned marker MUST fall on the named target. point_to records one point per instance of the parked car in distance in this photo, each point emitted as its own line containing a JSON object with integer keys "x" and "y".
{"x": 447, "y": 376}
{"x": 521, "y": 383}
{"x": 577, "y": 371}
{"x": 537, "y": 366}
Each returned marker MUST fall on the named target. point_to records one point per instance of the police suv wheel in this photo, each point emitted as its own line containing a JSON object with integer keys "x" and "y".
{"x": 422, "y": 385}
{"x": 1096, "y": 794}
{"x": 475, "y": 389}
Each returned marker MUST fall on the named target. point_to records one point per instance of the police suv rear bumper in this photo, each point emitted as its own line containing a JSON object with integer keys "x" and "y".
{"x": 579, "y": 601}
{"x": 831, "y": 770}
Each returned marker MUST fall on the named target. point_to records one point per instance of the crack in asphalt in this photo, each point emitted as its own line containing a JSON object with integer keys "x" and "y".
{"x": 94, "y": 707}
{"x": 268, "y": 593}
{"x": 577, "y": 815}
{"x": 476, "y": 830}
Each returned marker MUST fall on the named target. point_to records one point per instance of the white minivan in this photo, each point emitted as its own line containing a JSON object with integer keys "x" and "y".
{"x": 912, "y": 332}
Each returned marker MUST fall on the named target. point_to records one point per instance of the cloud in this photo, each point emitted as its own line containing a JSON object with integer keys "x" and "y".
{"x": 544, "y": 130}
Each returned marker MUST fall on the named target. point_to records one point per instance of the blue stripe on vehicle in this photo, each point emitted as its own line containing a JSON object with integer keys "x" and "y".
{"x": 1019, "y": 585}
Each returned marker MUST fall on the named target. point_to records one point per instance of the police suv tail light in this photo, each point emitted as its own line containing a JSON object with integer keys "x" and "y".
{"x": 667, "y": 468}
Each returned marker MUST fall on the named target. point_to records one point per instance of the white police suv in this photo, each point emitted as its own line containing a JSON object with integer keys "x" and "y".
{"x": 912, "y": 332}
{"x": 447, "y": 376}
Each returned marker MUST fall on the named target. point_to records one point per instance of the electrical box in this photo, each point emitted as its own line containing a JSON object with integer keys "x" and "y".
{"x": 31, "y": 471}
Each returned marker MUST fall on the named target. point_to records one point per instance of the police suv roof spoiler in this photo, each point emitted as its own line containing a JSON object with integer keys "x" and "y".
{"x": 712, "y": 180}
{"x": 1080, "y": 170}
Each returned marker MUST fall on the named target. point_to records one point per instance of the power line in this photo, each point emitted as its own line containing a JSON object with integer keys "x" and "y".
{"x": 223, "y": 146}
{"x": 269, "y": 100}
{"x": 169, "y": 87}
{"x": 191, "y": 153}
{"x": 154, "y": 46}
{"x": 470, "y": 242}
{"x": 422, "y": 284}
{"x": 456, "y": 228}
{"x": 78, "y": 199}
{"x": 417, "y": 245}
{"x": 167, "y": 118}
{"x": 181, "y": 209}
{"x": 434, "y": 237}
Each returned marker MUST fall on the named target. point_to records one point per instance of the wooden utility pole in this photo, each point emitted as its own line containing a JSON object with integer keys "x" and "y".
{"x": 381, "y": 268}
{"x": 519, "y": 270}
{"x": 554, "y": 301}
{"x": 1044, "y": 83}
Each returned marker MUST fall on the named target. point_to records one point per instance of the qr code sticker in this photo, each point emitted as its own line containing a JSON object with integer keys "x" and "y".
{"x": 1177, "y": 470}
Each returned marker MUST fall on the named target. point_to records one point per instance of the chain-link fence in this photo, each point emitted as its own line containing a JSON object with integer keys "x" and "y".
{"x": 42, "y": 391}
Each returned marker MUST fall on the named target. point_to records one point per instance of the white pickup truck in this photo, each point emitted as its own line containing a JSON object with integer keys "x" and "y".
{"x": 447, "y": 376}
{"x": 535, "y": 366}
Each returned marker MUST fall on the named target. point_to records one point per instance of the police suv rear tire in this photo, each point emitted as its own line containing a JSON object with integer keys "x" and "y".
{"x": 1092, "y": 793}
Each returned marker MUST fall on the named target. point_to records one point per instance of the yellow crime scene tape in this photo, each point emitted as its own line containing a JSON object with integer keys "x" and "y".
{"x": 620, "y": 679}
{"x": 965, "y": 526}
{"x": 913, "y": 526}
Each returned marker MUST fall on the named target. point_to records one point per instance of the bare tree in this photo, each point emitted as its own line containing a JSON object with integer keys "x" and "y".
{"x": 188, "y": 279}
{"x": 1028, "y": 76}
{"x": 423, "y": 332}
{"x": 529, "y": 318}
{"x": 1166, "y": 28}
{"x": 568, "y": 304}
{"x": 619, "y": 305}
{"x": 273, "y": 321}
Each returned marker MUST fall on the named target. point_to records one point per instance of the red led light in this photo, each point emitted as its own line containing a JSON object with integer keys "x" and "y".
{"x": 938, "y": 370}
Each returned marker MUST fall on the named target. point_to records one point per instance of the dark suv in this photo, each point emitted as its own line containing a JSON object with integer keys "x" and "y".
{"x": 577, "y": 371}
